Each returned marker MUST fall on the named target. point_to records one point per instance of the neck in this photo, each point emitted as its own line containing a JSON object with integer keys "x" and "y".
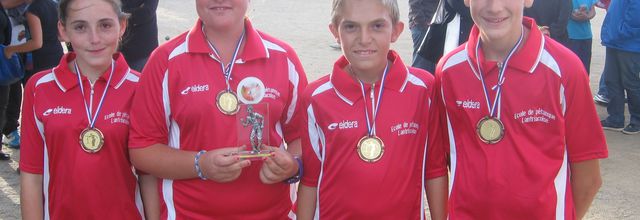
{"x": 366, "y": 76}
{"x": 498, "y": 49}
{"x": 225, "y": 39}
{"x": 91, "y": 72}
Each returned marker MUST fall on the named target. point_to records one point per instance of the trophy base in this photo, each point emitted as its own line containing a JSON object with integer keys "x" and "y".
{"x": 253, "y": 155}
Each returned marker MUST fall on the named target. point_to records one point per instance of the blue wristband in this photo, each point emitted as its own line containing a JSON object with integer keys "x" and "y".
{"x": 196, "y": 160}
{"x": 296, "y": 178}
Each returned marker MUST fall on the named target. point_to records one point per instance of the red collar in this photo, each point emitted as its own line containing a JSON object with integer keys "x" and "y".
{"x": 67, "y": 79}
{"x": 254, "y": 47}
{"x": 349, "y": 88}
{"x": 526, "y": 59}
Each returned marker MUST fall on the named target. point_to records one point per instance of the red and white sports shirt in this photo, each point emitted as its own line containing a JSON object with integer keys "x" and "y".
{"x": 549, "y": 119}
{"x": 77, "y": 184}
{"x": 176, "y": 106}
{"x": 348, "y": 187}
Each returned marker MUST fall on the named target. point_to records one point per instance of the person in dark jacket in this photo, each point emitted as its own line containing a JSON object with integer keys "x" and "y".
{"x": 5, "y": 39}
{"x": 552, "y": 16}
{"x": 458, "y": 17}
{"x": 420, "y": 14}
{"x": 621, "y": 35}
{"x": 42, "y": 25}
{"x": 142, "y": 33}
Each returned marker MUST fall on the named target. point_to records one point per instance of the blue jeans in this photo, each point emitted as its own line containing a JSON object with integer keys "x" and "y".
{"x": 582, "y": 48}
{"x": 417, "y": 34}
{"x": 602, "y": 87}
{"x": 622, "y": 74}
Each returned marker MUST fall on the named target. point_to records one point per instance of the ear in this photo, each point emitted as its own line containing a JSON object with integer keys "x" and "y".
{"x": 396, "y": 31}
{"x": 62, "y": 31}
{"x": 527, "y": 3}
{"x": 123, "y": 26}
{"x": 334, "y": 30}
{"x": 466, "y": 3}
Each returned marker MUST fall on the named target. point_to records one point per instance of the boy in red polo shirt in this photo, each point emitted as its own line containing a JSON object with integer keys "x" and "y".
{"x": 366, "y": 123}
{"x": 523, "y": 136}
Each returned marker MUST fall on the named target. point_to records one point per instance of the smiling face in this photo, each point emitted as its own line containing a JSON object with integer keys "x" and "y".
{"x": 222, "y": 14}
{"x": 365, "y": 30}
{"x": 498, "y": 20}
{"x": 93, "y": 28}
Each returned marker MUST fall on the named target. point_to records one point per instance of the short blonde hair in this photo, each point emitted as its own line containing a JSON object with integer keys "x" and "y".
{"x": 391, "y": 5}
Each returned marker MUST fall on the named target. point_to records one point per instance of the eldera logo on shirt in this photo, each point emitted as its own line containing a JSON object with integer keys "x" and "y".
{"x": 468, "y": 104}
{"x": 345, "y": 124}
{"x": 195, "y": 88}
{"x": 60, "y": 110}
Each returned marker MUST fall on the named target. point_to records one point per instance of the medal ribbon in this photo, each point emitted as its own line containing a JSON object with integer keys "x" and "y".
{"x": 501, "y": 77}
{"x": 371, "y": 128}
{"x": 226, "y": 71}
{"x": 92, "y": 120}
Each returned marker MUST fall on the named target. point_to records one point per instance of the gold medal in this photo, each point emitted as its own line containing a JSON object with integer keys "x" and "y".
{"x": 490, "y": 130}
{"x": 370, "y": 148}
{"x": 91, "y": 140}
{"x": 227, "y": 102}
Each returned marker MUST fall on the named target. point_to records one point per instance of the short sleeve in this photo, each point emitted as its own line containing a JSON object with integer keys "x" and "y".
{"x": 437, "y": 143}
{"x": 311, "y": 144}
{"x": 150, "y": 108}
{"x": 31, "y": 144}
{"x": 584, "y": 136}
{"x": 298, "y": 82}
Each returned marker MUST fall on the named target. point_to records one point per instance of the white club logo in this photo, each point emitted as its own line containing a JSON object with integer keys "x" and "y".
{"x": 47, "y": 112}
{"x": 60, "y": 110}
{"x": 251, "y": 90}
{"x": 468, "y": 104}
{"x": 346, "y": 124}
{"x": 186, "y": 91}
{"x": 194, "y": 88}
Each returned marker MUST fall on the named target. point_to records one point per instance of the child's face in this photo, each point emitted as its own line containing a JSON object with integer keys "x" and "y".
{"x": 93, "y": 28}
{"x": 498, "y": 20}
{"x": 365, "y": 31}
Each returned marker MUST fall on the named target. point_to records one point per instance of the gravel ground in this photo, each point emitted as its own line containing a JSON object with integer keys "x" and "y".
{"x": 303, "y": 24}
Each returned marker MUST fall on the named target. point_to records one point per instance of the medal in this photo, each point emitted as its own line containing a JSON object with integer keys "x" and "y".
{"x": 227, "y": 102}
{"x": 490, "y": 129}
{"x": 370, "y": 148}
{"x": 91, "y": 140}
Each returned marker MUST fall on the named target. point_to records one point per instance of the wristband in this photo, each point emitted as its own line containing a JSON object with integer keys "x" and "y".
{"x": 196, "y": 160}
{"x": 296, "y": 178}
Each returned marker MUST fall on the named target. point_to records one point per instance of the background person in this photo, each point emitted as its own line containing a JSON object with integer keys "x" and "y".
{"x": 622, "y": 65}
{"x": 141, "y": 37}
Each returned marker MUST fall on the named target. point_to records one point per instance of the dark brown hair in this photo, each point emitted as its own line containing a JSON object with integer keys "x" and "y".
{"x": 63, "y": 9}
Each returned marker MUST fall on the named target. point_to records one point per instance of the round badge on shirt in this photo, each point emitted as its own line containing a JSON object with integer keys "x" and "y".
{"x": 251, "y": 90}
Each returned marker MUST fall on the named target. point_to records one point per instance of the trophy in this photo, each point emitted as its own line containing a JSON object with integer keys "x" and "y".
{"x": 252, "y": 120}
